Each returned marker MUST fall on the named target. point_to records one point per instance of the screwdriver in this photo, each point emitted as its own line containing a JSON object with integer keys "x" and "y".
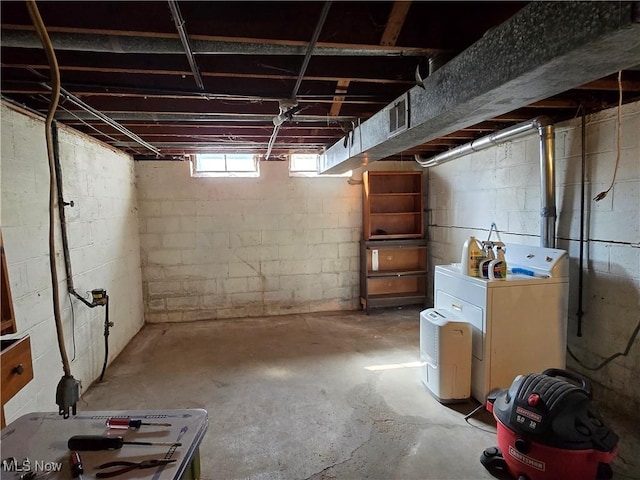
{"x": 76, "y": 465}
{"x": 124, "y": 423}
{"x": 98, "y": 442}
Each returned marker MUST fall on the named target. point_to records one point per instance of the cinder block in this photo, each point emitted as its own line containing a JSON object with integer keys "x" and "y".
{"x": 150, "y": 208}
{"x": 182, "y": 303}
{"x": 348, "y": 250}
{"x": 163, "y": 225}
{"x": 314, "y": 205}
{"x": 199, "y": 257}
{"x": 343, "y": 293}
{"x": 200, "y": 287}
{"x": 625, "y": 260}
{"x": 188, "y": 223}
{"x": 277, "y": 237}
{"x": 178, "y": 240}
{"x": 157, "y": 305}
{"x": 165, "y": 287}
{"x": 38, "y": 277}
{"x": 309, "y": 236}
{"x": 244, "y": 238}
{"x": 165, "y": 257}
{"x": 294, "y": 221}
{"x": 263, "y": 284}
{"x": 245, "y": 299}
{"x": 233, "y": 285}
{"x": 352, "y": 220}
{"x": 157, "y": 317}
{"x": 243, "y": 269}
{"x": 327, "y": 250}
{"x": 295, "y": 267}
{"x": 149, "y": 241}
{"x": 279, "y": 297}
{"x": 215, "y": 302}
{"x": 337, "y": 235}
{"x": 626, "y": 197}
{"x": 170, "y": 208}
{"x": 232, "y": 312}
{"x": 200, "y": 315}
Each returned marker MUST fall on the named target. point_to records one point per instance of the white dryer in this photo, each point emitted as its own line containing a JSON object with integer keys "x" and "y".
{"x": 519, "y": 324}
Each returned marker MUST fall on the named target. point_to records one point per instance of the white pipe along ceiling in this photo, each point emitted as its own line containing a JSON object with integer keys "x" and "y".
{"x": 546, "y": 132}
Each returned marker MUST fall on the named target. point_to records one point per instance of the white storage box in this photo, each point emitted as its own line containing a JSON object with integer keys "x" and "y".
{"x": 445, "y": 347}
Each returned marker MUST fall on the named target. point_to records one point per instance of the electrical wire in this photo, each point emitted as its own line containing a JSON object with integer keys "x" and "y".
{"x": 471, "y": 414}
{"x": 107, "y": 324}
{"x": 612, "y": 357}
{"x": 55, "y": 97}
{"x": 73, "y": 326}
{"x": 604, "y": 193}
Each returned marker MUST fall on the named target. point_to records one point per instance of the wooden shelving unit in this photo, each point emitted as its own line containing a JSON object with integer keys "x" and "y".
{"x": 393, "y": 253}
{"x": 8, "y": 322}
{"x": 15, "y": 353}
{"x": 398, "y": 276}
{"x": 392, "y": 205}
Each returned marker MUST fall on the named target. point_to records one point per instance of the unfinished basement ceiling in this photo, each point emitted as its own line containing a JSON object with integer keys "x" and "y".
{"x": 193, "y": 76}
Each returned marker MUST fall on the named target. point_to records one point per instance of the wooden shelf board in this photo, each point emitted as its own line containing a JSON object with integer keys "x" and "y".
{"x": 394, "y": 274}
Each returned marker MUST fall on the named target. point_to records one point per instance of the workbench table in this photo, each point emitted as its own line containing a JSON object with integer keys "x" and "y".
{"x": 39, "y": 441}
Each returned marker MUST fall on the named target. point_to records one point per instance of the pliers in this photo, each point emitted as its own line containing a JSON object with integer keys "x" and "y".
{"x": 128, "y": 466}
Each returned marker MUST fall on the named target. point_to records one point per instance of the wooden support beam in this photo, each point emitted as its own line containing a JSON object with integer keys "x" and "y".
{"x": 389, "y": 38}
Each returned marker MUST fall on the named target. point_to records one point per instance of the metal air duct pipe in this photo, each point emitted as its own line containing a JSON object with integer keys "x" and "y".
{"x": 546, "y": 132}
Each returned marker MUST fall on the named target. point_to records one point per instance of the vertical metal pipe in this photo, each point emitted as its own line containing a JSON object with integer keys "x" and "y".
{"x": 547, "y": 134}
{"x": 583, "y": 156}
{"x": 547, "y": 186}
{"x": 61, "y": 205}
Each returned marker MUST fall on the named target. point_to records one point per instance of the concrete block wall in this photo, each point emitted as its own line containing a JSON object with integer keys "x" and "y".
{"x": 104, "y": 247}
{"x": 502, "y": 185}
{"x": 217, "y": 248}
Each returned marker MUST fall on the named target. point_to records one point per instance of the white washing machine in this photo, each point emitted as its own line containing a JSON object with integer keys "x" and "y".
{"x": 519, "y": 324}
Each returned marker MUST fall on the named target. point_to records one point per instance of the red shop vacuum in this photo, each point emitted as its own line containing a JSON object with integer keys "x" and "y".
{"x": 548, "y": 430}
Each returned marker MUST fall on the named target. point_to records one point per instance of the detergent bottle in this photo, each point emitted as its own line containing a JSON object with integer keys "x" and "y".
{"x": 498, "y": 267}
{"x": 487, "y": 256}
{"x": 471, "y": 256}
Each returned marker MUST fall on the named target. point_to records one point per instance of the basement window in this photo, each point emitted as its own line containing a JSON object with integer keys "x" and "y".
{"x": 224, "y": 165}
{"x": 306, "y": 165}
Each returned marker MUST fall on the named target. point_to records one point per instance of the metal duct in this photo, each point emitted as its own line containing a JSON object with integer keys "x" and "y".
{"x": 104, "y": 42}
{"x": 546, "y": 132}
{"x": 543, "y": 50}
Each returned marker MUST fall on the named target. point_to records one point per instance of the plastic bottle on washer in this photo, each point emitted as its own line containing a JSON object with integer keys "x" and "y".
{"x": 498, "y": 267}
{"x": 487, "y": 256}
{"x": 471, "y": 256}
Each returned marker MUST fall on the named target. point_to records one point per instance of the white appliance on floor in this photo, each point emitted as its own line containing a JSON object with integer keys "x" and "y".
{"x": 519, "y": 324}
{"x": 445, "y": 349}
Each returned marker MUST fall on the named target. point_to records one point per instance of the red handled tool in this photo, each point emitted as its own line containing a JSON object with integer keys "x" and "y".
{"x": 76, "y": 465}
{"x": 98, "y": 442}
{"x": 125, "y": 422}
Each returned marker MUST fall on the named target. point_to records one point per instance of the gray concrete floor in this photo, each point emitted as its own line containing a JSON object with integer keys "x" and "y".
{"x": 293, "y": 397}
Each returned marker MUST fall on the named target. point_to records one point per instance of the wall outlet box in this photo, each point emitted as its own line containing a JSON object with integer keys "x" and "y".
{"x": 374, "y": 260}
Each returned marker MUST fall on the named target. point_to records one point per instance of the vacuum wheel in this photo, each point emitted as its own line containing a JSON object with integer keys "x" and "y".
{"x": 604, "y": 472}
{"x": 493, "y": 460}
